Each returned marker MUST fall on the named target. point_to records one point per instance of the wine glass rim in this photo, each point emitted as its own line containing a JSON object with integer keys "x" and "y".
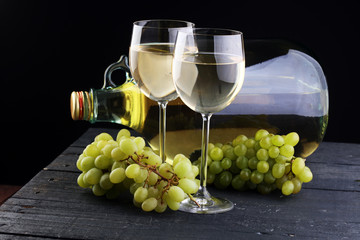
{"x": 215, "y": 31}
{"x": 141, "y": 23}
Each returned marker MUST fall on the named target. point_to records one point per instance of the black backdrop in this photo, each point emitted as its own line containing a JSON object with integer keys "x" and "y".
{"x": 49, "y": 48}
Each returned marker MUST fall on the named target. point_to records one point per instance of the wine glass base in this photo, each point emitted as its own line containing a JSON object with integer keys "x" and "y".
{"x": 209, "y": 205}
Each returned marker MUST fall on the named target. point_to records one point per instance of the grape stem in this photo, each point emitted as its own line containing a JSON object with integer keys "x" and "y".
{"x": 173, "y": 181}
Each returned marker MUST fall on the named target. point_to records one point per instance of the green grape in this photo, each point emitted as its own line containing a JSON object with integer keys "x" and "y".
{"x": 101, "y": 144}
{"x": 142, "y": 176}
{"x": 287, "y": 188}
{"x": 242, "y": 162}
{"x": 166, "y": 170}
{"x": 237, "y": 183}
{"x": 250, "y": 153}
{"x": 216, "y": 154}
{"x": 306, "y": 175}
{"x": 260, "y": 134}
{"x": 274, "y": 152}
{"x": 117, "y": 175}
{"x": 292, "y": 138}
{"x": 271, "y": 162}
{"x": 256, "y": 177}
{"x": 195, "y": 170}
{"x": 105, "y": 182}
{"x": 123, "y": 133}
{"x": 103, "y": 136}
{"x": 180, "y": 157}
{"x": 239, "y": 139}
{"x": 226, "y": 163}
{"x": 262, "y": 155}
{"x": 215, "y": 167}
{"x": 210, "y": 147}
{"x": 223, "y": 180}
{"x": 245, "y": 174}
{"x": 102, "y": 162}
{"x": 173, "y": 205}
{"x": 132, "y": 170}
{"x": 262, "y": 166}
{"x": 80, "y": 181}
{"x": 298, "y": 166}
{"x": 154, "y": 160}
{"x": 263, "y": 188}
{"x": 98, "y": 191}
{"x": 277, "y": 140}
{"x": 250, "y": 143}
{"x": 281, "y": 159}
{"x": 153, "y": 192}
{"x": 265, "y": 142}
{"x": 117, "y": 154}
{"x": 140, "y": 143}
{"x": 92, "y": 151}
{"x": 107, "y": 149}
{"x": 287, "y": 150}
{"x": 269, "y": 178}
{"x": 234, "y": 169}
{"x": 87, "y": 163}
{"x": 183, "y": 169}
{"x": 153, "y": 178}
{"x": 229, "y": 153}
{"x": 176, "y": 193}
{"x": 240, "y": 149}
{"x": 93, "y": 176}
{"x": 257, "y": 146}
{"x": 210, "y": 177}
{"x": 128, "y": 146}
{"x": 140, "y": 195}
{"x": 78, "y": 162}
{"x": 149, "y": 204}
{"x": 188, "y": 186}
{"x": 134, "y": 186}
{"x": 161, "y": 206}
{"x": 280, "y": 181}
{"x": 297, "y": 185}
{"x": 252, "y": 163}
{"x": 278, "y": 170}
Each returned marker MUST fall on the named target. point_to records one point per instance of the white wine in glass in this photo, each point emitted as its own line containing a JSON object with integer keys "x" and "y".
{"x": 151, "y": 53}
{"x": 208, "y": 72}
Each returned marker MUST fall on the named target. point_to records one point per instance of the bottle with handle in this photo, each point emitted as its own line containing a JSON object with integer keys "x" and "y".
{"x": 284, "y": 90}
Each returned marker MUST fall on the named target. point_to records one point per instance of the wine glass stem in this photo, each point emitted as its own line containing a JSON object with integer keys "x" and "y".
{"x": 204, "y": 149}
{"x": 162, "y": 128}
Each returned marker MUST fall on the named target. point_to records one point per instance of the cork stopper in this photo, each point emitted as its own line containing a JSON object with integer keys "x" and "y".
{"x": 80, "y": 105}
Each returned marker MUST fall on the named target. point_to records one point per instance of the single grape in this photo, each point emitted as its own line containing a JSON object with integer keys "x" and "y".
{"x": 153, "y": 178}
{"x": 154, "y": 160}
{"x": 262, "y": 166}
{"x": 237, "y": 183}
{"x": 161, "y": 206}
{"x": 306, "y": 175}
{"x": 215, "y": 167}
{"x": 278, "y": 170}
{"x": 287, "y": 188}
{"x": 80, "y": 181}
{"x": 277, "y": 140}
{"x": 256, "y": 177}
{"x": 226, "y": 163}
{"x": 242, "y": 162}
{"x": 173, "y": 205}
{"x": 128, "y": 146}
{"x": 223, "y": 180}
{"x": 166, "y": 170}
{"x": 292, "y": 138}
{"x": 97, "y": 190}
{"x": 92, "y": 151}
{"x": 140, "y": 143}
{"x": 298, "y": 166}
{"x": 297, "y": 185}
{"x": 107, "y": 149}
{"x": 103, "y": 136}
{"x": 216, "y": 154}
{"x": 287, "y": 150}
{"x": 264, "y": 188}
{"x": 176, "y": 193}
{"x": 180, "y": 157}
{"x": 140, "y": 194}
{"x": 183, "y": 169}
{"x": 142, "y": 176}
{"x": 250, "y": 143}
{"x": 269, "y": 178}
{"x": 239, "y": 139}
{"x": 281, "y": 159}
{"x": 188, "y": 185}
{"x": 245, "y": 174}
{"x": 117, "y": 154}
{"x": 93, "y": 176}
{"x": 132, "y": 170}
{"x": 240, "y": 149}
{"x": 149, "y": 204}
{"x": 252, "y": 163}
{"x": 265, "y": 142}
{"x": 260, "y": 134}
{"x": 102, "y": 162}
{"x": 105, "y": 182}
{"x": 250, "y": 152}
{"x": 78, "y": 162}
{"x": 274, "y": 152}
{"x": 262, "y": 154}
{"x": 117, "y": 175}
{"x": 123, "y": 133}
{"x": 87, "y": 163}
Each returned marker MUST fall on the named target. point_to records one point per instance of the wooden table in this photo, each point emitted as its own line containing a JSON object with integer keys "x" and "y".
{"x": 52, "y": 206}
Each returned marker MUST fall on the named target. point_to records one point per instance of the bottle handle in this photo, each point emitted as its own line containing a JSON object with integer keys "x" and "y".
{"x": 122, "y": 64}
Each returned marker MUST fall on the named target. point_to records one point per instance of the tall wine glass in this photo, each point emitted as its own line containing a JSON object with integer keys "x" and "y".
{"x": 151, "y": 53}
{"x": 208, "y": 72}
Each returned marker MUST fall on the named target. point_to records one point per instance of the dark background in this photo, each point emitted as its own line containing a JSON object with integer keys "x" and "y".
{"x": 50, "y": 48}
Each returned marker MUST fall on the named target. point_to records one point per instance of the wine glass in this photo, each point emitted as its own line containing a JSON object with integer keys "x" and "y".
{"x": 208, "y": 72}
{"x": 151, "y": 52}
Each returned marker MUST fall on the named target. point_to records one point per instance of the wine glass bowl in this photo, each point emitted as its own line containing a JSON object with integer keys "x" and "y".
{"x": 150, "y": 56}
{"x": 208, "y": 72}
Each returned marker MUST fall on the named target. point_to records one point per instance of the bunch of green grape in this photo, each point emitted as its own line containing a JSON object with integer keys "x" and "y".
{"x": 109, "y": 166}
{"x": 265, "y": 162}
